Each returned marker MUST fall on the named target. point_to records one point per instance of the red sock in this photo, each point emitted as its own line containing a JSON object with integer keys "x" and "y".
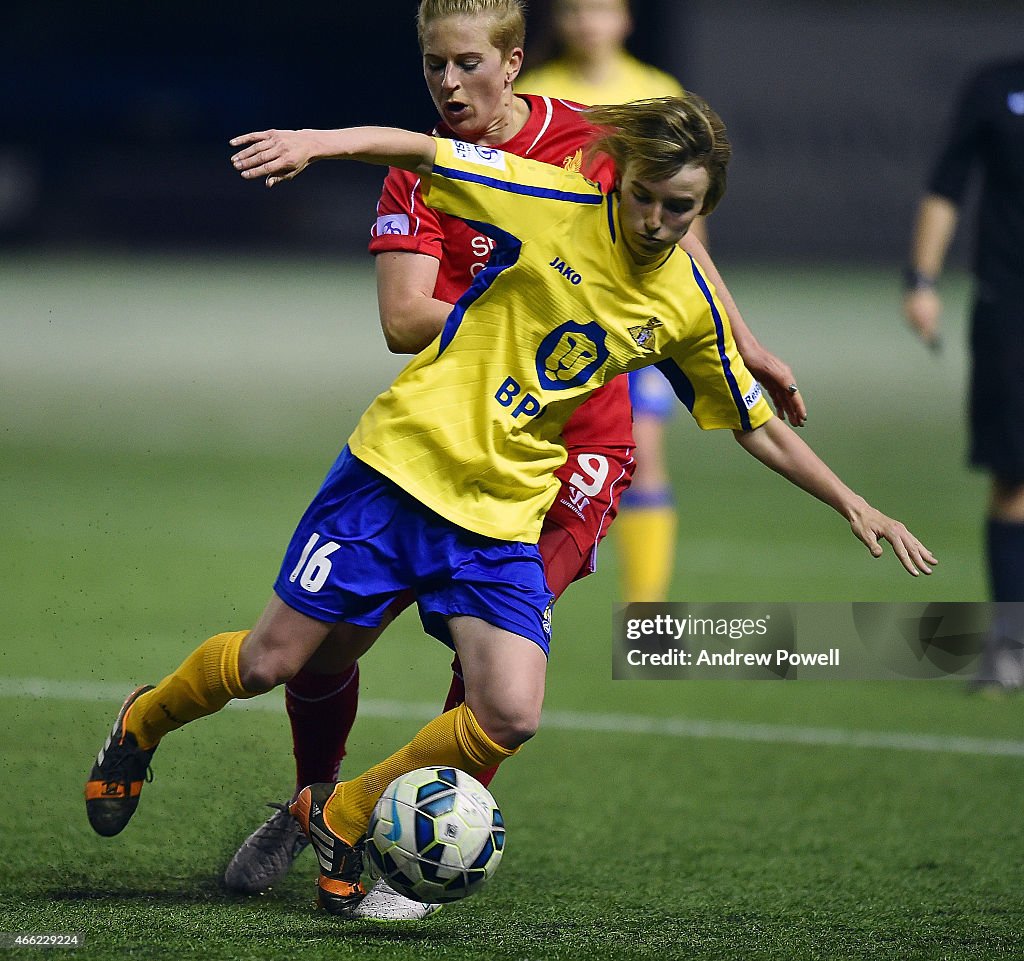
{"x": 322, "y": 710}
{"x": 456, "y": 695}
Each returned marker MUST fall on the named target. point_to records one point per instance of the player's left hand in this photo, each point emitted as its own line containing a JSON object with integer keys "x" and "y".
{"x": 275, "y": 154}
{"x": 776, "y": 377}
{"x": 871, "y": 526}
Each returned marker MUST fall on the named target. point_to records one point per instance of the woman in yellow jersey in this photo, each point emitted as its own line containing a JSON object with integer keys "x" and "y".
{"x": 445, "y": 481}
{"x": 425, "y": 261}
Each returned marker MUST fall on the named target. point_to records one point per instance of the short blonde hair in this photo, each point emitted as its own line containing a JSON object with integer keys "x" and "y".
{"x": 661, "y": 136}
{"x": 508, "y": 29}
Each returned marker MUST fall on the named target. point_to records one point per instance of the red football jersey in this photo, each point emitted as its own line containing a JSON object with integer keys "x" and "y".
{"x": 555, "y": 133}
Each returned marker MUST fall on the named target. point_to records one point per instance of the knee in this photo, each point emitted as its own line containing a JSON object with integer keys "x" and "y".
{"x": 261, "y": 669}
{"x": 508, "y": 725}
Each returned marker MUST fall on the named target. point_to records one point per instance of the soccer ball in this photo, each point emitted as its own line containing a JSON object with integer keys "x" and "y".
{"x": 436, "y": 835}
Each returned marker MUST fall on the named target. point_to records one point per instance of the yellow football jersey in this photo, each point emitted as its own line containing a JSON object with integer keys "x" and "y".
{"x": 472, "y": 426}
{"x": 629, "y": 79}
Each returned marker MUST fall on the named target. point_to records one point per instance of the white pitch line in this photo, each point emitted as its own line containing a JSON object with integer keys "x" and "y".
{"x": 54, "y": 690}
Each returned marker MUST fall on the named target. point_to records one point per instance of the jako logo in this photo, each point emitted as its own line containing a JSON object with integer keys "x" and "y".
{"x": 566, "y": 271}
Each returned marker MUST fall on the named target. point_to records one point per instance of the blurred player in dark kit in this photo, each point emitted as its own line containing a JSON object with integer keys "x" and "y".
{"x": 987, "y": 136}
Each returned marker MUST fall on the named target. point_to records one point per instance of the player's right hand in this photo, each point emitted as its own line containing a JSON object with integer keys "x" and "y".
{"x": 275, "y": 154}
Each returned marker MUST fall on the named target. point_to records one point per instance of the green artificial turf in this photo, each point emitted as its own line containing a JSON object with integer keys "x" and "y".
{"x": 164, "y": 424}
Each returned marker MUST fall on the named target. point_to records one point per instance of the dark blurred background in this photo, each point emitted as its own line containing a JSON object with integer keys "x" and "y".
{"x": 114, "y": 118}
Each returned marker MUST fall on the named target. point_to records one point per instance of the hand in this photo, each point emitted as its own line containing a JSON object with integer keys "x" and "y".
{"x": 871, "y": 525}
{"x": 922, "y": 309}
{"x": 776, "y": 376}
{"x": 275, "y": 154}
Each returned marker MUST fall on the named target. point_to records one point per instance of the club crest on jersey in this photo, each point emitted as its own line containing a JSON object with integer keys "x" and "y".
{"x": 644, "y": 336}
{"x": 574, "y": 162}
{"x": 477, "y": 154}
{"x": 570, "y": 355}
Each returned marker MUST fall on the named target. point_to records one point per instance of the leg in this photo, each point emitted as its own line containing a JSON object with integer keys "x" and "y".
{"x": 1003, "y": 658}
{"x": 997, "y": 444}
{"x": 647, "y": 526}
{"x": 508, "y": 712}
{"x": 461, "y": 572}
{"x": 321, "y": 701}
{"x": 330, "y": 573}
{"x": 1006, "y": 540}
{"x": 593, "y": 481}
{"x": 225, "y": 666}
{"x": 564, "y": 562}
{"x": 504, "y": 679}
{"x": 504, "y": 676}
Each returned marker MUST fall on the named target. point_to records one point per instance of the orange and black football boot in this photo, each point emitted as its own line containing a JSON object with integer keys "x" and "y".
{"x": 115, "y": 782}
{"x": 338, "y": 889}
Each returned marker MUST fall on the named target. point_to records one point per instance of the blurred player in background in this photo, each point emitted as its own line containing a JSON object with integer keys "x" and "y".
{"x": 425, "y": 260}
{"x": 987, "y": 134}
{"x": 594, "y": 67}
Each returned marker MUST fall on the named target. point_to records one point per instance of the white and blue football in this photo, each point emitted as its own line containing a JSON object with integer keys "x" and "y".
{"x": 436, "y": 835}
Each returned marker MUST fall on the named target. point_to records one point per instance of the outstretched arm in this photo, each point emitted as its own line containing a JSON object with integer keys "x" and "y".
{"x": 774, "y": 373}
{"x": 283, "y": 154}
{"x": 779, "y": 448}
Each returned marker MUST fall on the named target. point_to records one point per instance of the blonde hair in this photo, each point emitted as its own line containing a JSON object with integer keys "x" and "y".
{"x": 661, "y": 136}
{"x": 508, "y": 27}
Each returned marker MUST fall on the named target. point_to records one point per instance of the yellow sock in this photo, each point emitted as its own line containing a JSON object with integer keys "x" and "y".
{"x": 204, "y": 682}
{"x": 646, "y": 537}
{"x": 455, "y": 738}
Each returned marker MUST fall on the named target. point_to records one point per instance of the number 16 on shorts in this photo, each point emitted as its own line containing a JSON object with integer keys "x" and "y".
{"x": 314, "y": 565}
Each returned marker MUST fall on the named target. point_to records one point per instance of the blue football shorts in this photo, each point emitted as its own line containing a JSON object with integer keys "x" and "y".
{"x": 364, "y": 541}
{"x": 651, "y": 394}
